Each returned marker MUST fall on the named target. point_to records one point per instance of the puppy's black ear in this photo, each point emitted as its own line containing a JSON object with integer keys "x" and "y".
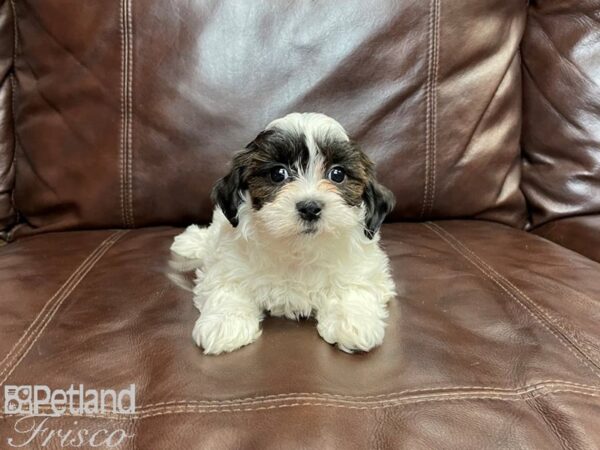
{"x": 227, "y": 193}
{"x": 379, "y": 202}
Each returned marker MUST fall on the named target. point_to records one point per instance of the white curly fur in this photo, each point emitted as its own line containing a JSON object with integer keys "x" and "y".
{"x": 266, "y": 264}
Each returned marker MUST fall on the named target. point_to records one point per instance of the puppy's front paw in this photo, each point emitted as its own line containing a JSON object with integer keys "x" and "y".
{"x": 351, "y": 333}
{"x": 220, "y": 333}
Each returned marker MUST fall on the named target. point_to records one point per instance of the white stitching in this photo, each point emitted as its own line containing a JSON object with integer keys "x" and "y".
{"x": 399, "y": 402}
{"x": 61, "y": 295}
{"x": 434, "y": 108}
{"x": 123, "y": 130}
{"x": 427, "y": 105}
{"x": 558, "y": 321}
{"x": 550, "y": 317}
{"x": 126, "y": 143}
{"x": 567, "y": 327}
{"x": 69, "y": 280}
{"x": 275, "y": 397}
{"x": 130, "y": 115}
{"x": 513, "y": 296}
{"x": 431, "y": 108}
{"x": 341, "y": 399}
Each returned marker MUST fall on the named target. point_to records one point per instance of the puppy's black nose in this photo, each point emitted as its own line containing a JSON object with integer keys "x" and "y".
{"x": 309, "y": 210}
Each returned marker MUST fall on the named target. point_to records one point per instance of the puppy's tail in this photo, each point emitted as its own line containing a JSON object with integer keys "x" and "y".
{"x": 182, "y": 271}
{"x": 181, "y": 264}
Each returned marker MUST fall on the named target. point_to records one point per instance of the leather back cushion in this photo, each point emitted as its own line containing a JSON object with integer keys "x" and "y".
{"x": 561, "y": 107}
{"x": 7, "y": 142}
{"x": 128, "y": 111}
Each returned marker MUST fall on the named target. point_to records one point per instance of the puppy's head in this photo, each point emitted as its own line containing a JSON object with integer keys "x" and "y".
{"x": 302, "y": 175}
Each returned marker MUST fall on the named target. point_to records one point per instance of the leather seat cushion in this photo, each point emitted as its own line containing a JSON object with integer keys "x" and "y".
{"x": 493, "y": 340}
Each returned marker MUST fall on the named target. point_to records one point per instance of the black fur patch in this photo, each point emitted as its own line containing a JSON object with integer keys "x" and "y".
{"x": 357, "y": 166}
{"x": 379, "y": 202}
{"x": 271, "y": 149}
{"x": 251, "y": 171}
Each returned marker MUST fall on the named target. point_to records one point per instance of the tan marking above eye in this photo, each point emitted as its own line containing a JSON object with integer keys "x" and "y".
{"x": 326, "y": 185}
{"x": 286, "y": 187}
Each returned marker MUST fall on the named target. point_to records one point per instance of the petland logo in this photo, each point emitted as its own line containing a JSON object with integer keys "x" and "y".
{"x": 38, "y": 404}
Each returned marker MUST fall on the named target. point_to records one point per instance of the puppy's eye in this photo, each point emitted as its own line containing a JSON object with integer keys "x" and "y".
{"x": 279, "y": 174}
{"x": 336, "y": 174}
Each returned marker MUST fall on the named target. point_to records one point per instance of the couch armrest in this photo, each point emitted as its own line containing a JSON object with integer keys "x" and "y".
{"x": 561, "y": 111}
{"x": 581, "y": 234}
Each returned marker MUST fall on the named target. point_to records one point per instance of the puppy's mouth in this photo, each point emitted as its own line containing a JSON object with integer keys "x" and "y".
{"x": 309, "y": 228}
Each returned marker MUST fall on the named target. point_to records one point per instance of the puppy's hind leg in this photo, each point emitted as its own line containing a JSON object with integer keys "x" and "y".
{"x": 191, "y": 244}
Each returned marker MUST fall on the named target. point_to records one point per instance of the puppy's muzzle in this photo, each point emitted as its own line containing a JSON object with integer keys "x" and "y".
{"x": 310, "y": 210}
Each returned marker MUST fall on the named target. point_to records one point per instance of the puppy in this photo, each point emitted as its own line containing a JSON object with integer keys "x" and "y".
{"x": 295, "y": 233}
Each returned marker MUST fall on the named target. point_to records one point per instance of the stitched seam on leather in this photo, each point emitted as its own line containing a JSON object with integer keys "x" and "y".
{"x": 434, "y": 107}
{"x": 433, "y": 392}
{"x": 122, "y": 131}
{"x": 130, "y": 115}
{"x": 532, "y": 311}
{"x": 549, "y": 316}
{"x": 402, "y": 395}
{"x": 73, "y": 275}
{"x": 39, "y": 324}
{"x": 397, "y": 403}
{"x": 126, "y": 143}
{"x": 126, "y": 124}
{"x": 427, "y": 111}
{"x": 567, "y": 291}
{"x": 584, "y": 342}
{"x": 535, "y": 406}
{"x": 431, "y": 107}
{"x": 570, "y": 329}
{"x": 275, "y": 397}
{"x": 61, "y": 294}
{"x": 560, "y": 322}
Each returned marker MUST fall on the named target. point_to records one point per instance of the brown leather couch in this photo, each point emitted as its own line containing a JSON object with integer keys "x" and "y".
{"x": 483, "y": 117}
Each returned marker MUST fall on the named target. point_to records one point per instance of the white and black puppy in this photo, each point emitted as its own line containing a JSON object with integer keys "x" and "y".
{"x": 295, "y": 233}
